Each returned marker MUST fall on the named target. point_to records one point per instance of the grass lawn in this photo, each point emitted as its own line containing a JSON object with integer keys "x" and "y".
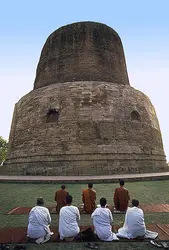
{"x": 22, "y": 195}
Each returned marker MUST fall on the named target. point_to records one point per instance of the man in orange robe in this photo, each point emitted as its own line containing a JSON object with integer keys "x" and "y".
{"x": 60, "y": 198}
{"x": 121, "y": 197}
{"x": 89, "y": 199}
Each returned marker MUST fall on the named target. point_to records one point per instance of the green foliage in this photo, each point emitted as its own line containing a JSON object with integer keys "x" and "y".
{"x": 3, "y": 149}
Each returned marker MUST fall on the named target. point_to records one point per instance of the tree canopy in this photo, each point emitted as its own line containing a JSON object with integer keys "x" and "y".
{"x": 3, "y": 149}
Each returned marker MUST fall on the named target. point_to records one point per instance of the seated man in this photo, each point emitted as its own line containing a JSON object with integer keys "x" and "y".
{"x": 89, "y": 199}
{"x": 121, "y": 197}
{"x": 134, "y": 225}
{"x": 38, "y": 222}
{"x": 102, "y": 220}
{"x": 69, "y": 217}
{"x": 60, "y": 198}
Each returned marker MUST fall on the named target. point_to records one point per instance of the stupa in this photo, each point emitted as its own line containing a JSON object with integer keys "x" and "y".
{"x": 83, "y": 117}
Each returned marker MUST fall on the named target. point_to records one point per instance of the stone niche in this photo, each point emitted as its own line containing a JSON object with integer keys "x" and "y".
{"x": 83, "y": 117}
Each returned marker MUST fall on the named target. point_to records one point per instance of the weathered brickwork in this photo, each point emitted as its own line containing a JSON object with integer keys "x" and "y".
{"x": 84, "y": 51}
{"x": 83, "y": 118}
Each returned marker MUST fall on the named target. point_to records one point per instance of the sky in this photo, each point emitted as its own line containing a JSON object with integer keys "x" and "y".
{"x": 143, "y": 26}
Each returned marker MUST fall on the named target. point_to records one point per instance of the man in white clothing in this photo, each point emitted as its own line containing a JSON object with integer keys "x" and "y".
{"x": 38, "y": 222}
{"x": 134, "y": 225}
{"x": 69, "y": 217}
{"x": 102, "y": 219}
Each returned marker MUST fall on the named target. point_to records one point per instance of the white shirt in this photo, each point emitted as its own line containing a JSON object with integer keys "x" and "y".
{"x": 69, "y": 217}
{"x": 102, "y": 220}
{"x": 38, "y": 222}
{"x": 134, "y": 224}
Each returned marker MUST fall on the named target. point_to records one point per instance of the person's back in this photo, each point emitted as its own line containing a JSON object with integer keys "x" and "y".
{"x": 89, "y": 199}
{"x": 135, "y": 221}
{"x": 38, "y": 221}
{"x": 68, "y": 220}
{"x": 134, "y": 225}
{"x": 60, "y": 198}
{"x": 121, "y": 197}
{"x": 102, "y": 220}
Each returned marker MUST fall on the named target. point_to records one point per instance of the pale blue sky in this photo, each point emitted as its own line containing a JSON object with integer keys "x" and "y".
{"x": 143, "y": 26}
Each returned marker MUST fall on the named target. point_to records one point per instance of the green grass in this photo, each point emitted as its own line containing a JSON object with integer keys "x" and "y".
{"x": 13, "y": 195}
{"x": 22, "y": 195}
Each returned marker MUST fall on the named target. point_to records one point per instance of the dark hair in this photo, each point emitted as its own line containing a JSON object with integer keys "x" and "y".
{"x": 40, "y": 201}
{"x": 135, "y": 203}
{"x": 63, "y": 186}
{"x": 69, "y": 199}
{"x": 103, "y": 202}
{"x": 90, "y": 185}
{"x": 121, "y": 182}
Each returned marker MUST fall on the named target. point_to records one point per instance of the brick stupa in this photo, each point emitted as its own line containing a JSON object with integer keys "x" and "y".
{"x": 83, "y": 117}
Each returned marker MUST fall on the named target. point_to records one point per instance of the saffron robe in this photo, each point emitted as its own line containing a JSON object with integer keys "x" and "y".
{"x": 60, "y": 198}
{"x": 89, "y": 200}
{"x": 121, "y": 198}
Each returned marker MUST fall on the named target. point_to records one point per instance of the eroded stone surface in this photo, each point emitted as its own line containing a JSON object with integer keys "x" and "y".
{"x": 84, "y": 118}
{"x": 94, "y": 134}
{"x": 85, "y": 51}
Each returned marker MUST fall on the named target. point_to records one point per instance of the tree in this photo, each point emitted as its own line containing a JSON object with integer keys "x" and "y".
{"x": 3, "y": 149}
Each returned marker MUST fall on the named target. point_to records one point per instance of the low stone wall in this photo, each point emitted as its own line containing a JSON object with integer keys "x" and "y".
{"x": 84, "y": 167}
